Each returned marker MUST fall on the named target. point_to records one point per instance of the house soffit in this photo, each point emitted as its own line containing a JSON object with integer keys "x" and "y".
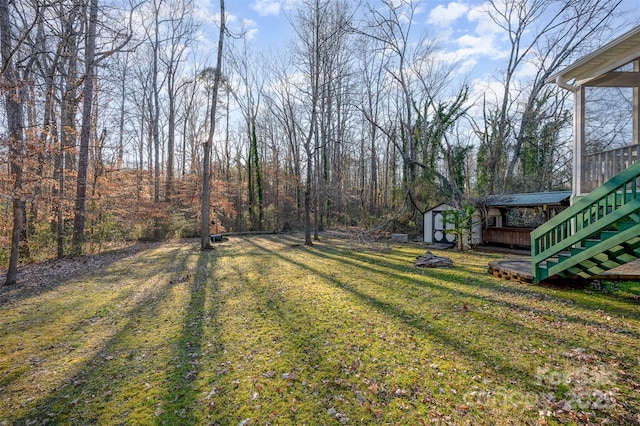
{"x": 621, "y": 51}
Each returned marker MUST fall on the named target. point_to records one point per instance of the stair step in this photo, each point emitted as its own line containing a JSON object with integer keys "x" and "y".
{"x": 611, "y": 263}
{"x": 626, "y": 258}
{"x": 621, "y": 252}
{"x": 613, "y": 241}
{"x": 573, "y": 271}
{"x": 601, "y": 262}
{"x": 543, "y": 273}
{"x": 586, "y": 275}
{"x": 589, "y": 267}
{"x": 577, "y": 250}
{"x": 634, "y": 217}
{"x": 596, "y": 270}
{"x": 623, "y": 226}
{"x": 588, "y": 243}
{"x": 589, "y": 264}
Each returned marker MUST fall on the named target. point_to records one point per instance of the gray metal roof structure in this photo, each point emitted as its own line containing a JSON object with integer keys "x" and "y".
{"x": 529, "y": 199}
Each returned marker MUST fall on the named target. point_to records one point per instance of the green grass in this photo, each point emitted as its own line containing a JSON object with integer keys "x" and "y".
{"x": 266, "y": 331}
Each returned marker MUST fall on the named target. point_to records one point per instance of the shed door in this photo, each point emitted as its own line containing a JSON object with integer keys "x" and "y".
{"x": 439, "y": 235}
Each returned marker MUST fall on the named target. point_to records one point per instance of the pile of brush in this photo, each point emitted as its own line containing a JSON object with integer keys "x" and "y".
{"x": 430, "y": 260}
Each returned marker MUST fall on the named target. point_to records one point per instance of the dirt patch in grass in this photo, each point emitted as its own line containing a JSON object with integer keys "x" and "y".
{"x": 264, "y": 330}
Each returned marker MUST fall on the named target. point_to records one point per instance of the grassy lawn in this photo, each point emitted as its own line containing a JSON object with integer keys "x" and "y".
{"x": 265, "y": 331}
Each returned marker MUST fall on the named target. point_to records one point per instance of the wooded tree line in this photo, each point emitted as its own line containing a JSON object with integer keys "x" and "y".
{"x": 359, "y": 119}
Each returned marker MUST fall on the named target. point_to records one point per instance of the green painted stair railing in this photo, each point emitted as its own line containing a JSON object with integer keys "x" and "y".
{"x": 597, "y": 233}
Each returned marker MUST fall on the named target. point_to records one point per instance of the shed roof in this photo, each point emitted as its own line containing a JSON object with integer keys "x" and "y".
{"x": 441, "y": 206}
{"x": 609, "y": 57}
{"x": 529, "y": 199}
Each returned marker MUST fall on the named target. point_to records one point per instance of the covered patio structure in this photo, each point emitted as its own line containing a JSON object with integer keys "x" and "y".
{"x": 614, "y": 67}
{"x": 598, "y": 236}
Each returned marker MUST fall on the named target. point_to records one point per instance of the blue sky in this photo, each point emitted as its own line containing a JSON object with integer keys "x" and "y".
{"x": 465, "y": 33}
{"x": 268, "y": 24}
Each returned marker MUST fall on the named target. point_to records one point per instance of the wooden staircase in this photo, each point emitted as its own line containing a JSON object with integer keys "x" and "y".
{"x": 598, "y": 232}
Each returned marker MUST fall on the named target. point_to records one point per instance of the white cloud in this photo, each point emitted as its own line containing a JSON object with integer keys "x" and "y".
{"x": 470, "y": 49}
{"x": 468, "y": 34}
{"x": 267, "y": 7}
{"x": 251, "y": 33}
{"x": 445, "y": 15}
{"x": 484, "y": 23}
{"x": 463, "y": 66}
{"x": 485, "y": 89}
{"x": 466, "y": 66}
{"x": 528, "y": 70}
{"x": 249, "y": 28}
{"x": 273, "y": 7}
{"x": 419, "y": 9}
{"x": 471, "y": 45}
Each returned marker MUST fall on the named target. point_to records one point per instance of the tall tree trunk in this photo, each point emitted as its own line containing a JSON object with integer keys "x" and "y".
{"x": 168, "y": 187}
{"x": 85, "y": 130}
{"x": 58, "y": 193}
{"x": 68, "y": 109}
{"x": 307, "y": 201}
{"x": 155, "y": 116}
{"x": 13, "y": 108}
{"x": 205, "y": 241}
{"x": 258, "y": 171}
{"x": 251, "y": 191}
{"x": 123, "y": 89}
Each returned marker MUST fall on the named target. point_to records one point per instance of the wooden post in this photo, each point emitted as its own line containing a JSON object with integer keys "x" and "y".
{"x": 578, "y": 137}
{"x": 636, "y": 106}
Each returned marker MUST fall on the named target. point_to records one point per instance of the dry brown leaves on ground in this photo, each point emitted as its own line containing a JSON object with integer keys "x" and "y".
{"x": 40, "y": 276}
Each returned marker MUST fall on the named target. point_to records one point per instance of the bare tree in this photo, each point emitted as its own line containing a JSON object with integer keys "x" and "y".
{"x": 205, "y": 240}
{"x": 311, "y": 41}
{"x": 15, "y": 91}
{"x": 91, "y": 58}
{"x": 155, "y": 93}
{"x": 373, "y": 82}
{"x": 85, "y": 132}
{"x": 248, "y": 95}
{"x": 418, "y": 117}
{"x": 322, "y": 28}
{"x": 181, "y": 29}
{"x": 547, "y": 33}
{"x": 391, "y": 26}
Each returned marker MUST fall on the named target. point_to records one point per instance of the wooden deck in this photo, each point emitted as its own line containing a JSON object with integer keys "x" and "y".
{"x": 520, "y": 270}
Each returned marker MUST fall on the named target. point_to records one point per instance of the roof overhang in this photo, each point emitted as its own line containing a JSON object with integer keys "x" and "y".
{"x": 441, "y": 206}
{"x": 608, "y": 58}
{"x": 532, "y": 199}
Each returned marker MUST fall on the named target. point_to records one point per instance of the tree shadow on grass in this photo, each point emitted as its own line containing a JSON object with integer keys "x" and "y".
{"x": 576, "y": 295}
{"x": 37, "y": 308}
{"x": 186, "y": 361}
{"x": 438, "y": 332}
{"x": 466, "y": 290}
{"x": 115, "y": 375}
{"x": 293, "y": 345}
{"x": 377, "y": 264}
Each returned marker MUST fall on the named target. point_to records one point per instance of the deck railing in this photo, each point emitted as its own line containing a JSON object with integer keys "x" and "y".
{"x": 599, "y": 167}
{"x": 606, "y": 205}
